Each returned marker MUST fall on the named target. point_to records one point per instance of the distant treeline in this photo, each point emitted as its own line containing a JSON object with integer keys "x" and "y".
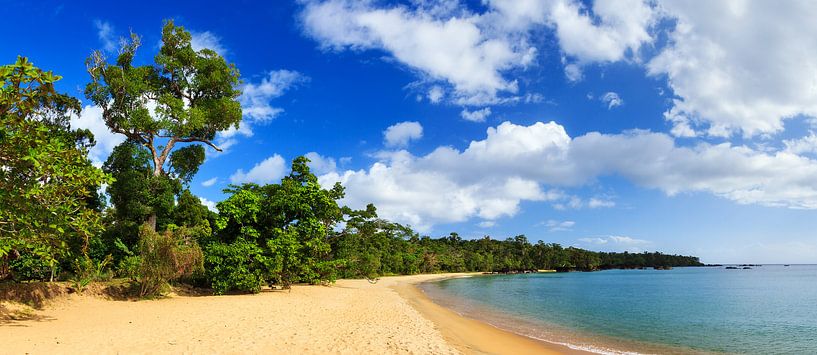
{"x": 372, "y": 246}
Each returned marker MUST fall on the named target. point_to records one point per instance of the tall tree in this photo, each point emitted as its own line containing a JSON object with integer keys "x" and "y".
{"x": 186, "y": 96}
{"x": 46, "y": 179}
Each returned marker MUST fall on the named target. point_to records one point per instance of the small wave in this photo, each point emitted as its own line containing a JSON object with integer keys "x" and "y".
{"x": 590, "y": 348}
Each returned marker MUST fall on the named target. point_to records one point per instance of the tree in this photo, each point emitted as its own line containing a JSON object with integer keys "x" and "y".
{"x": 287, "y": 227}
{"x": 135, "y": 193}
{"x": 185, "y": 97}
{"x": 46, "y": 179}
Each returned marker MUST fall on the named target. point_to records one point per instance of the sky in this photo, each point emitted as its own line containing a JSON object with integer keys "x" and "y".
{"x": 681, "y": 126}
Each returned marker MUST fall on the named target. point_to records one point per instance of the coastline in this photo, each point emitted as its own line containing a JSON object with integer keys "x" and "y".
{"x": 471, "y": 336}
{"x": 392, "y": 316}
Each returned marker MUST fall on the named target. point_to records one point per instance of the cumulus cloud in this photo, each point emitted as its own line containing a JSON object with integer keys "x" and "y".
{"x": 611, "y": 99}
{"x": 446, "y": 44}
{"x": 476, "y": 115}
{"x": 400, "y": 134}
{"x": 516, "y": 163}
{"x": 476, "y": 54}
{"x": 90, "y": 118}
{"x": 106, "y": 35}
{"x": 209, "y": 204}
{"x": 804, "y": 145}
{"x": 733, "y": 67}
{"x": 607, "y": 34}
{"x": 268, "y": 171}
{"x": 207, "y": 39}
{"x": 320, "y": 164}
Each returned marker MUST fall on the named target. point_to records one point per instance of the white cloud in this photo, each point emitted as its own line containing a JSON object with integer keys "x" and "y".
{"x": 255, "y": 97}
{"x": 435, "y": 94}
{"x": 559, "y": 226}
{"x": 106, "y": 35}
{"x": 486, "y": 224}
{"x": 611, "y": 99}
{"x": 513, "y": 163}
{"x": 207, "y": 39}
{"x": 209, "y": 182}
{"x": 573, "y": 73}
{"x": 400, "y": 134}
{"x": 614, "y": 28}
{"x": 804, "y": 145}
{"x": 616, "y": 243}
{"x": 256, "y": 104}
{"x": 478, "y": 53}
{"x": 739, "y": 66}
{"x": 268, "y": 171}
{"x": 476, "y": 115}
{"x": 209, "y": 204}
{"x": 596, "y": 202}
{"x": 90, "y": 118}
{"x": 319, "y": 164}
{"x": 445, "y": 44}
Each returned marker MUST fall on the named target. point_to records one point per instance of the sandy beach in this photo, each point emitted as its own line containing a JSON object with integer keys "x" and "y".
{"x": 351, "y": 316}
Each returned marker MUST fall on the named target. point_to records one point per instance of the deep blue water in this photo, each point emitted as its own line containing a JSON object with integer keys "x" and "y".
{"x": 770, "y": 309}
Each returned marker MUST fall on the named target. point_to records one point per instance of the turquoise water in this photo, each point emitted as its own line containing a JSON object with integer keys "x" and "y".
{"x": 767, "y": 310}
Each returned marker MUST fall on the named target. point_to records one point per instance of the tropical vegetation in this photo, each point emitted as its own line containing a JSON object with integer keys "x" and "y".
{"x": 56, "y": 222}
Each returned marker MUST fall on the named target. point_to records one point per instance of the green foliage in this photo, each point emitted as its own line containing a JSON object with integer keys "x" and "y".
{"x": 189, "y": 212}
{"x": 87, "y": 270}
{"x": 185, "y": 162}
{"x": 129, "y": 264}
{"x": 165, "y": 257}
{"x": 289, "y": 225}
{"x": 136, "y": 193}
{"x": 47, "y": 184}
{"x": 31, "y": 267}
{"x": 194, "y": 93}
{"x": 240, "y": 265}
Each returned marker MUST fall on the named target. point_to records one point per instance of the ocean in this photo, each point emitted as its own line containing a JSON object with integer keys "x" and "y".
{"x": 770, "y": 309}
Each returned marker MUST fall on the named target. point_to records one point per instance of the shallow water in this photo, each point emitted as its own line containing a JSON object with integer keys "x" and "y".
{"x": 770, "y": 309}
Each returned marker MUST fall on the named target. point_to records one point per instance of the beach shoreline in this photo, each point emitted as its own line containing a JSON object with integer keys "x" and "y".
{"x": 351, "y": 316}
{"x": 472, "y": 336}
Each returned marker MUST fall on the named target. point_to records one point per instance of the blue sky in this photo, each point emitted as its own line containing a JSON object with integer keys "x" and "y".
{"x": 685, "y": 127}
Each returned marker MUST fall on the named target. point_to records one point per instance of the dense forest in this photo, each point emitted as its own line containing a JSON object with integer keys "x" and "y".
{"x": 56, "y": 224}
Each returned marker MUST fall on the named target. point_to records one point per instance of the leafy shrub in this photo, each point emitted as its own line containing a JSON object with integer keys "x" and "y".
{"x": 165, "y": 257}
{"x": 29, "y": 267}
{"x": 129, "y": 265}
{"x": 236, "y": 266}
{"x": 88, "y": 270}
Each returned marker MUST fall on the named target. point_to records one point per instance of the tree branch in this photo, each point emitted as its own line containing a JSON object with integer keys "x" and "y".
{"x": 196, "y": 139}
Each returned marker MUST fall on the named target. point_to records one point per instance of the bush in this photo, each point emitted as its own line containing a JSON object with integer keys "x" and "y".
{"x": 165, "y": 257}
{"x": 129, "y": 267}
{"x": 237, "y": 266}
{"x": 88, "y": 270}
{"x": 129, "y": 264}
{"x": 29, "y": 267}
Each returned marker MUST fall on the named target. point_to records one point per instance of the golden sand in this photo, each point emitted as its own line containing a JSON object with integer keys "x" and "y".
{"x": 349, "y": 317}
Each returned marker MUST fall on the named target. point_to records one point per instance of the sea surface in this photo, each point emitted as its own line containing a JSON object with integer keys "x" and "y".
{"x": 770, "y": 309}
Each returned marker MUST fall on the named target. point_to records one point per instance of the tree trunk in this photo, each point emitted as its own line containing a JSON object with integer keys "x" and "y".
{"x": 157, "y": 171}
